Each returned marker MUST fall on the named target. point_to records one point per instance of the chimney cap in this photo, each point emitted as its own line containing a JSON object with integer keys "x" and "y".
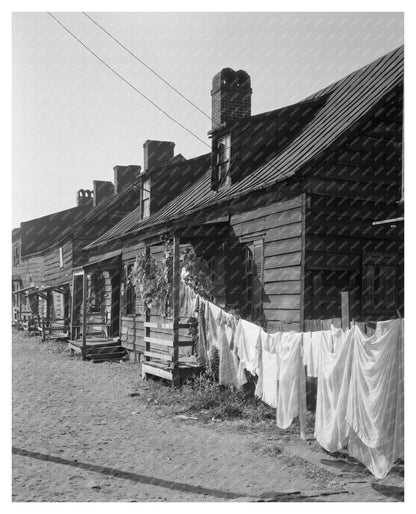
{"x": 228, "y": 78}
{"x": 150, "y": 141}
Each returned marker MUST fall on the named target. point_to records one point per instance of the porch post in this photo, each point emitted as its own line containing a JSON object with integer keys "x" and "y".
{"x": 71, "y": 314}
{"x": 175, "y": 301}
{"x": 48, "y": 305}
{"x": 84, "y": 315}
{"x": 19, "y": 323}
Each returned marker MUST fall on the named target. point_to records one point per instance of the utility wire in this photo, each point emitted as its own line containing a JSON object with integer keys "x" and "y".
{"x": 126, "y": 81}
{"x": 146, "y": 65}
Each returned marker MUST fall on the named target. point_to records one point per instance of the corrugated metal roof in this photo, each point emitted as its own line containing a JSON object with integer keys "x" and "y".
{"x": 347, "y": 101}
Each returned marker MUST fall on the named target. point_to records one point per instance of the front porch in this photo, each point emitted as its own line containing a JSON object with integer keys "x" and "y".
{"x": 94, "y": 330}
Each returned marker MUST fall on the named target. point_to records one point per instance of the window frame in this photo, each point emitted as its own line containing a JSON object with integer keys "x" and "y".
{"x": 223, "y": 166}
{"x": 250, "y": 277}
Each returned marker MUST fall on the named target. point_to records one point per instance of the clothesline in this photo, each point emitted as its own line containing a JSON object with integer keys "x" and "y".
{"x": 360, "y": 379}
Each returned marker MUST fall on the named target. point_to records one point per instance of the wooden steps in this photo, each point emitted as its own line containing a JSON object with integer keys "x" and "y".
{"x": 100, "y": 349}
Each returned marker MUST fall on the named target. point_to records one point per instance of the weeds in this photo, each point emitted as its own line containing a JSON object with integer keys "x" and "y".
{"x": 210, "y": 401}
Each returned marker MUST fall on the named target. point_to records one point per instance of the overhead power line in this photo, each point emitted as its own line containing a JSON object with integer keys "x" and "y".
{"x": 126, "y": 81}
{"x": 146, "y": 65}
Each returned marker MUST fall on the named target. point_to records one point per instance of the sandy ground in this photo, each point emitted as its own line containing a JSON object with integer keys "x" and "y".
{"x": 78, "y": 435}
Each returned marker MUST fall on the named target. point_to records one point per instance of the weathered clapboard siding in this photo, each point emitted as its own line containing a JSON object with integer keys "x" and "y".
{"x": 282, "y": 261}
{"x": 282, "y": 315}
{"x": 279, "y": 326}
{"x": 348, "y": 245}
{"x": 359, "y": 182}
{"x": 53, "y": 273}
{"x": 283, "y": 287}
{"x": 267, "y": 222}
{"x": 282, "y": 274}
{"x": 332, "y": 261}
{"x": 30, "y": 271}
{"x": 131, "y": 326}
{"x": 348, "y": 208}
{"x": 279, "y": 224}
{"x": 283, "y": 247}
{"x": 281, "y": 301}
{"x": 132, "y": 333}
{"x": 365, "y": 191}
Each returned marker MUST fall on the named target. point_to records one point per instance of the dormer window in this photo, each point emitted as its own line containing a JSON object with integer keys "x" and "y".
{"x": 146, "y": 198}
{"x": 223, "y": 157}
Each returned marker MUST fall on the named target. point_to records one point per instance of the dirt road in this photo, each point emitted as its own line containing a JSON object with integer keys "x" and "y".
{"x": 78, "y": 435}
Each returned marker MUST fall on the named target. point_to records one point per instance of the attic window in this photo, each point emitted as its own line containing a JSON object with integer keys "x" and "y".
{"x": 223, "y": 157}
{"x": 146, "y": 198}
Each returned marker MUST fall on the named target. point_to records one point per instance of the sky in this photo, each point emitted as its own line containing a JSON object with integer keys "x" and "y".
{"x": 74, "y": 120}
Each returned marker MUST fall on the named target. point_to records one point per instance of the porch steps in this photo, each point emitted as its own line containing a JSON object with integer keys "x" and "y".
{"x": 100, "y": 349}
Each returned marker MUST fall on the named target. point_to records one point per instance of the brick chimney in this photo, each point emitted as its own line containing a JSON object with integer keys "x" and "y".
{"x": 157, "y": 153}
{"x": 84, "y": 197}
{"x": 124, "y": 176}
{"x": 102, "y": 190}
{"x": 231, "y": 97}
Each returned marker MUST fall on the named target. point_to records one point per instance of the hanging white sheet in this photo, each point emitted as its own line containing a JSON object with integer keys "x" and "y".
{"x": 375, "y": 412}
{"x": 291, "y": 394}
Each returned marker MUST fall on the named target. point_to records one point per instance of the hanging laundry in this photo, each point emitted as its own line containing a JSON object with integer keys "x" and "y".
{"x": 312, "y": 342}
{"x": 375, "y": 412}
{"x": 202, "y": 344}
{"x": 228, "y": 365}
{"x": 247, "y": 348}
{"x": 212, "y": 313}
{"x": 334, "y": 377}
{"x": 291, "y": 394}
{"x": 186, "y": 300}
{"x": 338, "y": 336}
{"x": 267, "y": 383}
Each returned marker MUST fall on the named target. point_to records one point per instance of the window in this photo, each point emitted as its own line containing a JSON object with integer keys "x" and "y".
{"x": 253, "y": 280}
{"x": 129, "y": 291}
{"x": 223, "y": 157}
{"x": 380, "y": 283}
{"x": 61, "y": 257}
{"x": 146, "y": 198}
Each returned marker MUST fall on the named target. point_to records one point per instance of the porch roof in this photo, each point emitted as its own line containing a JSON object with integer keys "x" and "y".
{"x": 110, "y": 259}
{"x": 49, "y": 287}
{"x": 23, "y": 290}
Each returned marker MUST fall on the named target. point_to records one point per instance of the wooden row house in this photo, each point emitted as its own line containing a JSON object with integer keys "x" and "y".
{"x": 46, "y": 249}
{"x": 29, "y": 243}
{"x": 285, "y": 210}
{"x": 290, "y": 209}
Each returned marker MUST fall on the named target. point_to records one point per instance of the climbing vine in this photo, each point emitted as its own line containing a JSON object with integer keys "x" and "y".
{"x": 152, "y": 278}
